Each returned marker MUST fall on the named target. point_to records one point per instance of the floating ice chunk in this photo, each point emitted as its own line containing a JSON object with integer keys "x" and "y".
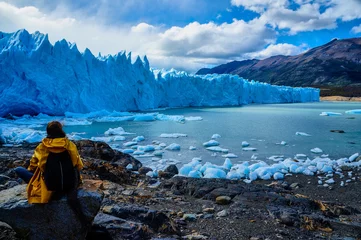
{"x": 354, "y": 111}
{"x": 217, "y": 149}
{"x": 163, "y": 145}
{"x": 215, "y": 136}
{"x": 227, "y": 163}
{"x": 128, "y": 144}
{"x": 324, "y": 155}
{"x": 214, "y": 173}
{"x": 320, "y": 182}
{"x": 116, "y": 131}
{"x": 211, "y": 143}
{"x": 249, "y": 149}
{"x": 353, "y": 157}
{"x": 245, "y": 144}
{"x": 129, "y": 166}
{"x": 233, "y": 175}
{"x": 278, "y": 176}
{"x": 214, "y": 154}
{"x": 330, "y": 114}
{"x": 190, "y": 118}
{"x": 128, "y": 151}
{"x": 276, "y": 158}
{"x": 102, "y": 139}
{"x": 192, "y": 148}
{"x": 75, "y": 122}
{"x": 342, "y": 183}
{"x": 144, "y": 118}
{"x": 137, "y": 152}
{"x": 147, "y": 148}
{"x": 316, "y": 150}
{"x": 330, "y": 181}
{"x": 254, "y": 156}
{"x": 173, "y": 147}
{"x": 158, "y": 153}
{"x": 175, "y": 118}
{"x": 172, "y": 135}
{"x": 283, "y": 143}
{"x": 194, "y": 174}
{"x": 303, "y": 134}
{"x": 185, "y": 170}
{"x": 138, "y": 139}
{"x": 230, "y": 155}
{"x": 118, "y": 138}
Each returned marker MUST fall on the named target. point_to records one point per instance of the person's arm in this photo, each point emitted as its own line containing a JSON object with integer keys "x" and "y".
{"x": 75, "y": 157}
{"x": 34, "y": 160}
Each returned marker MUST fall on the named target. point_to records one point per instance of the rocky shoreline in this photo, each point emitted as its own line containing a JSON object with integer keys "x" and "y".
{"x": 134, "y": 206}
{"x": 340, "y": 98}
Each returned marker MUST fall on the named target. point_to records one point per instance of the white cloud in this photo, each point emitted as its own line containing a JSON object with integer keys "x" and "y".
{"x": 356, "y": 29}
{"x": 259, "y": 6}
{"x": 306, "y": 15}
{"x": 278, "y": 49}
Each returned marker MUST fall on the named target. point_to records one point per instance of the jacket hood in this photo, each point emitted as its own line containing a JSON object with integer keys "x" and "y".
{"x": 56, "y": 143}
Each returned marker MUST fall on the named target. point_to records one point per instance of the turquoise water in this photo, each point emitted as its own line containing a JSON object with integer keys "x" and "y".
{"x": 261, "y": 125}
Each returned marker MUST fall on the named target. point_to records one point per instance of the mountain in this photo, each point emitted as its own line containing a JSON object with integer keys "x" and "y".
{"x": 334, "y": 67}
{"x": 38, "y": 77}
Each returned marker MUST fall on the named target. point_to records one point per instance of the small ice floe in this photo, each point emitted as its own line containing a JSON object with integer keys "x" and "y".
{"x": 215, "y": 136}
{"x": 138, "y": 139}
{"x": 278, "y": 176}
{"x": 342, "y": 183}
{"x": 348, "y": 180}
{"x": 230, "y": 155}
{"x": 75, "y": 122}
{"x": 145, "y": 155}
{"x": 217, "y": 149}
{"x": 172, "y": 135}
{"x": 190, "y": 118}
{"x": 155, "y": 142}
{"x": 174, "y": 118}
{"x": 303, "y": 134}
{"x": 320, "y": 182}
{"x": 324, "y": 155}
{"x": 147, "y": 148}
{"x": 144, "y": 118}
{"x": 214, "y": 154}
{"x": 158, "y": 153}
{"x": 283, "y": 143}
{"x": 254, "y": 156}
{"x": 245, "y": 144}
{"x": 116, "y": 131}
{"x": 138, "y": 152}
{"x": 192, "y": 148}
{"x": 316, "y": 150}
{"x": 249, "y": 149}
{"x": 354, "y": 111}
{"x": 128, "y": 144}
{"x": 128, "y": 151}
{"x": 276, "y": 158}
{"x": 330, "y": 114}
{"x": 353, "y": 157}
{"x": 330, "y": 181}
{"x": 173, "y": 147}
{"x": 108, "y": 139}
{"x": 211, "y": 143}
{"x": 163, "y": 145}
{"x": 300, "y": 156}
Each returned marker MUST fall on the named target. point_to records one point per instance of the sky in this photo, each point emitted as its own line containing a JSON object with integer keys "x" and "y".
{"x": 187, "y": 34}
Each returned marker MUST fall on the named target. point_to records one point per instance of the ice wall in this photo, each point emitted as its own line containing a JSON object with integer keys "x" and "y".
{"x": 38, "y": 77}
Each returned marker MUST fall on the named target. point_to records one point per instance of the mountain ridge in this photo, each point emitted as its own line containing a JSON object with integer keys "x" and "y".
{"x": 334, "y": 65}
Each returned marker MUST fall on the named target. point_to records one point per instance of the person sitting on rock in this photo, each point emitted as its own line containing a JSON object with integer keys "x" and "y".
{"x": 55, "y": 151}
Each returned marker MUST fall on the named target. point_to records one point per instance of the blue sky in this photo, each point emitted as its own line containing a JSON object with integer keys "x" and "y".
{"x": 188, "y": 34}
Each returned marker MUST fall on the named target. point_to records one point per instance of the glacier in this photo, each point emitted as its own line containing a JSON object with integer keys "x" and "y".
{"x": 38, "y": 77}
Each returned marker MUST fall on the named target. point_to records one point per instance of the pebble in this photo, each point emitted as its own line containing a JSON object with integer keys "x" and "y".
{"x": 208, "y": 210}
{"x": 189, "y": 217}
{"x": 223, "y": 200}
{"x": 222, "y": 213}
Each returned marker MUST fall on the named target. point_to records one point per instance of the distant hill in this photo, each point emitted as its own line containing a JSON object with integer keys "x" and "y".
{"x": 334, "y": 67}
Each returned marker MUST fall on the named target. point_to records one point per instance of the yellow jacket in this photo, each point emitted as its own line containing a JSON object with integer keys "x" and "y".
{"x": 36, "y": 189}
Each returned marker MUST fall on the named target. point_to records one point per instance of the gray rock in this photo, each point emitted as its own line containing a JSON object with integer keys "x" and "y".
{"x": 55, "y": 220}
{"x": 171, "y": 169}
{"x": 3, "y": 179}
{"x": 189, "y": 217}
{"x": 6, "y": 232}
{"x": 11, "y": 184}
{"x": 144, "y": 170}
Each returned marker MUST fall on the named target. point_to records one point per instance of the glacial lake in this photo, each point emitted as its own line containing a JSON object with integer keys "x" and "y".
{"x": 263, "y": 126}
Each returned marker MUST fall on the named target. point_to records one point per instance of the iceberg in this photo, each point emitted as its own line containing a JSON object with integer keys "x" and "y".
{"x": 32, "y": 68}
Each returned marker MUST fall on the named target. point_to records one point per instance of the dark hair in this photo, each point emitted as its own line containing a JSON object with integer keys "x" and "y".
{"x": 55, "y": 130}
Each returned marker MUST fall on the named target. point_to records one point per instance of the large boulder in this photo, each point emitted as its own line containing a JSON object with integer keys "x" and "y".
{"x": 55, "y": 220}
